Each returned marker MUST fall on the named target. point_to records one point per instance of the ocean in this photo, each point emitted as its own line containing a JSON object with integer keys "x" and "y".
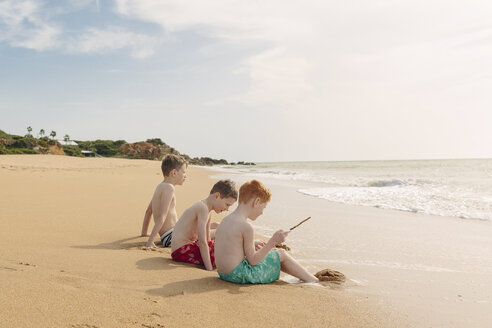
{"x": 414, "y": 235}
{"x": 459, "y": 188}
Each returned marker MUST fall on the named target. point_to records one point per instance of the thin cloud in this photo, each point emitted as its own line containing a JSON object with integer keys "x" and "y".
{"x": 307, "y": 45}
{"x": 277, "y": 73}
{"x": 96, "y": 41}
{"x": 29, "y": 24}
{"x": 276, "y": 76}
{"x": 24, "y": 26}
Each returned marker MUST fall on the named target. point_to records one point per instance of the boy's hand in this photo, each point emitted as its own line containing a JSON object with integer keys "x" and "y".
{"x": 259, "y": 244}
{"x": 279, "y": 236}
{"x": 150, "y": 245}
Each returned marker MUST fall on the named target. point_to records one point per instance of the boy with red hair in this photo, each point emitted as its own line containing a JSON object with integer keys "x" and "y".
{"x": 238, "y": 257}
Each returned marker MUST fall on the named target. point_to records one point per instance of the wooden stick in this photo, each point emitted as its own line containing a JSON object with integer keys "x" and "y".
{"x": 300, "y": 223}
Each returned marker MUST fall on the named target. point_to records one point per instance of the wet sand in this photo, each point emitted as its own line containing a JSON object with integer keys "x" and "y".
{"x": 424, "y": 270}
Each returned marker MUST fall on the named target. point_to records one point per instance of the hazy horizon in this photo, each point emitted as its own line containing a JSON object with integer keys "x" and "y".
{"x": 259, "y": 82}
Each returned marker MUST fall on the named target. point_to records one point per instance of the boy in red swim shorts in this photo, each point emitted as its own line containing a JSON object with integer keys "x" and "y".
{"x": 191, "y": 240}
{"x": 191, "y": 253}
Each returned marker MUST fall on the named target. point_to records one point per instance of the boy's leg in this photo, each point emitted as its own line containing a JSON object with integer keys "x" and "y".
{"x": 211, "y": 247}
{"x": 289, "y": 265}
{"x": 146, "y": 220}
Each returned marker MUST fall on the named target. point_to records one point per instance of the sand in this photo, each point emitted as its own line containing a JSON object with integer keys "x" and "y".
{"x": 71, "y": 256}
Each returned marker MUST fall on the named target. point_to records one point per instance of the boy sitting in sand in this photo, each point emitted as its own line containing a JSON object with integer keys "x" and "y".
{"x": 163, "y": 203}
{"x": 195, "y": 224}
{"x": 242, "y": 260}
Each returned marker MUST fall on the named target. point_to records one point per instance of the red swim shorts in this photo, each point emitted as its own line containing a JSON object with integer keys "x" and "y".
{"x": 191, "y": 253}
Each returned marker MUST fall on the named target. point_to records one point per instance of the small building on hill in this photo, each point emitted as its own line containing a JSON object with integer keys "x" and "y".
{"x": 88, "y": 153}
{"x": 67, "y": 143}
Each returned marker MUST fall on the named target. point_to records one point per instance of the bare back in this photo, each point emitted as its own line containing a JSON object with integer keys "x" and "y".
{"x": 164, "y": 207}
{"x": 186, "y": 229}
{"x": 229, "y": 242}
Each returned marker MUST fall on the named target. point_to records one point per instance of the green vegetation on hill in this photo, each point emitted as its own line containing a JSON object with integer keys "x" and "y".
{"x": 73, "y": 151}
{"x": 154, "y": 149}
{"x": 4, "y": 135}
{"x": 12, "y": 144}
{"x": 106, "y": 148}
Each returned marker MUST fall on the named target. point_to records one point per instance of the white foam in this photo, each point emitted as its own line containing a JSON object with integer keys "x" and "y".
{"x": 417, "y": 199}
{"x": 459, "y": 188}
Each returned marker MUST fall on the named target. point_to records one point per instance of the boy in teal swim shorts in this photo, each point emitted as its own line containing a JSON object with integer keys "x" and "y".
{"x": 241, "y": 259}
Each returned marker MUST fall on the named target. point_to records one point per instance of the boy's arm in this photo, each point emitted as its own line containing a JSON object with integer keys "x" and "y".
{"x": 254, "y": 257}
{"x": 162, "y": 207}
{"x": 203, "y": 225}
{"x": 208, "y": 228}
{"x": 259, "y": 244}
{"x": 146, "y": 220}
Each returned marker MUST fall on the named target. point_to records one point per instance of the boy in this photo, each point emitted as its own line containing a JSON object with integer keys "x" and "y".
{"x": 195, "y": 224}
{"x": 239, "y": 259}
{"x": 163, "y": 203}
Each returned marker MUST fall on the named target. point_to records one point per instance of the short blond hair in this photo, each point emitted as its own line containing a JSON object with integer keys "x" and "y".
{"x": 171, "y": 162}
{"x": 252, "y": 189}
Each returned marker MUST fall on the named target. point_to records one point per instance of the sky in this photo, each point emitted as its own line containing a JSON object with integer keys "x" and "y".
{"x": 261, "y": 81}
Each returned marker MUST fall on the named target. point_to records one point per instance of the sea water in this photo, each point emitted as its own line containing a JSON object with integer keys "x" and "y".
{"x": 415, "y": 235}
{"x": 460, "y": 188}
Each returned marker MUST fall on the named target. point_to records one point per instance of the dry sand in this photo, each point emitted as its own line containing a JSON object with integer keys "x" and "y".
{"x": 71, "y": 256}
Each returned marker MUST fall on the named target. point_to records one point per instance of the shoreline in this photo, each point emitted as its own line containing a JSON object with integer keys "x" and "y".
{"x": 427, "y": 270}
{"x": 71, "y": 255}
{"x": 460, "y": 188}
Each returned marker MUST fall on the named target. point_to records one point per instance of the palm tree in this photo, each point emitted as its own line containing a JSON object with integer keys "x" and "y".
{"x": 41, "y": 133}
{"x": 29, "y": 130}
{"x": 53, "y": 134}
{"x": 66, "y": 138}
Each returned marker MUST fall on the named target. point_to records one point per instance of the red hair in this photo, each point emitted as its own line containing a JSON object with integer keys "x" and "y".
{"x": 252, "y": 189}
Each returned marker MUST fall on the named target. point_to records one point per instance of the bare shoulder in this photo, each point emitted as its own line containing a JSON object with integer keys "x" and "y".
{"x": 166, "y": 188}
{"x": 201, "y": 208}
{"x": 247, "y": 227}
{"x": 239, "y": 224}
{"x": 197, "y": 208}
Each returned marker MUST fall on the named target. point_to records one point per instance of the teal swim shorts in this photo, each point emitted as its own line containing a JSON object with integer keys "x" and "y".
{"x": 265, "y": 272}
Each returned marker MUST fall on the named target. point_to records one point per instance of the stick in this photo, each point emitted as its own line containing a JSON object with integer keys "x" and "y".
{"x": 300, "y": 223}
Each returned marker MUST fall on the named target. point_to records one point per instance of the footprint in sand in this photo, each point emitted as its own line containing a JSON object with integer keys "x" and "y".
{"x": 27, "y": 264}
{"x": 8, "y": 269}
{"x": 149, "y": 299}
{"x": 148, "y": 249}
{"x": 153, "y": 316}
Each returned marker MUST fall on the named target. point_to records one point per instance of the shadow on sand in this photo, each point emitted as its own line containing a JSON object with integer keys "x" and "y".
{"x": 196, "y": 286}
{"x": 137, "y": 242}
{"x": 202, "y": 285}
{"x": 157, "y": 263}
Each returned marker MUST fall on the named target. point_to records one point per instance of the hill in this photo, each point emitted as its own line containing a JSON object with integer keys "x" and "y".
{"x": 153, "y": 149}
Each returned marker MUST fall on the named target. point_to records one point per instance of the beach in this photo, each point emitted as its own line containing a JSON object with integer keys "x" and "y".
{"x": 71, "y": 256}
